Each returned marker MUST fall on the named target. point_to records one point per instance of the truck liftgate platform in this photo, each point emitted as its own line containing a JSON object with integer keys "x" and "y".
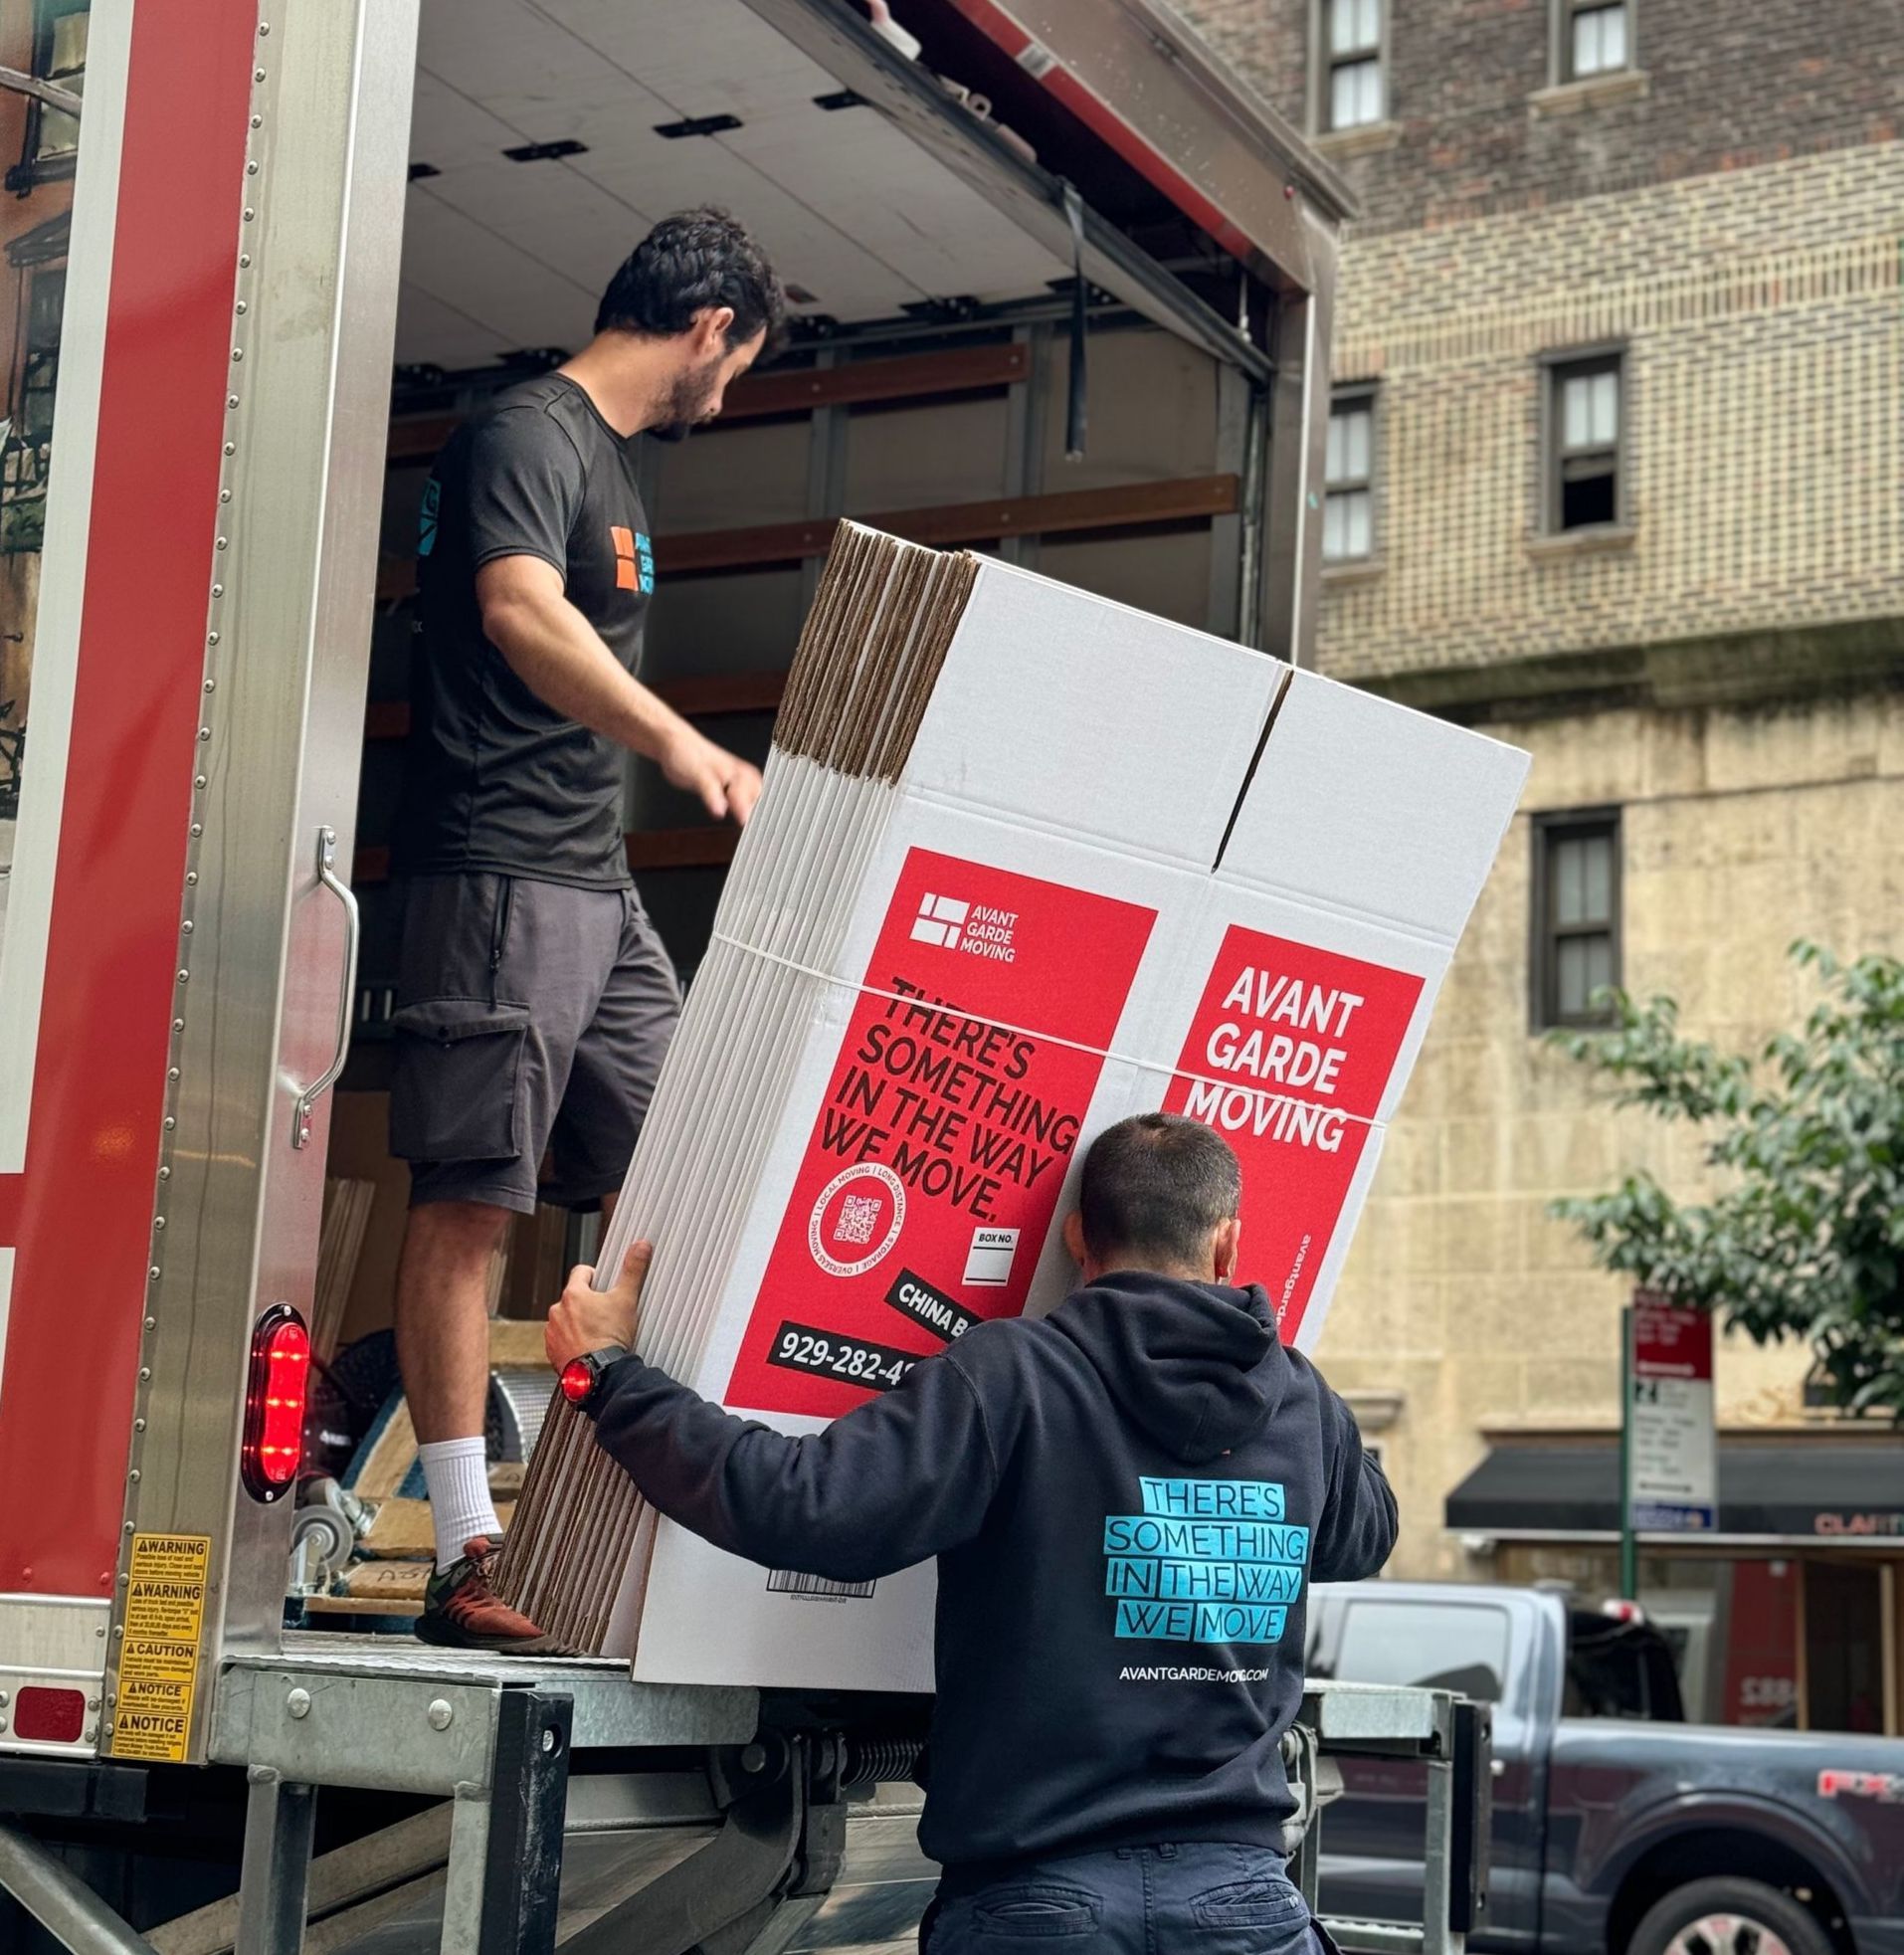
{"x": 558, "y": 1806}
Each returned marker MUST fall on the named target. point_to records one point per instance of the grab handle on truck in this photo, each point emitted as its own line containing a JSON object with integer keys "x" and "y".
{"x": 329, "y": 876}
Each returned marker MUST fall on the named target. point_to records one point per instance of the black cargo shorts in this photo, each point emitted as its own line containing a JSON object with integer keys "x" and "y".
{"x": 531, "y": 1019}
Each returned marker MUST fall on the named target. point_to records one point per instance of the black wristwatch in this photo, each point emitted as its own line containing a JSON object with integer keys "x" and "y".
{"x": 582, "y": 1377}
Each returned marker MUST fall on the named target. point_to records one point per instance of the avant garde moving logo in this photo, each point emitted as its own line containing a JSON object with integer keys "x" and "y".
{"x": 979, "y": 929}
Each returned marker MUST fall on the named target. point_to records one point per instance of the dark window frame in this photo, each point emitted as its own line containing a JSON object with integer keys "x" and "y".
{"x": 39, "y": 348}
{"x": 32, "y": 167}
{"x": 1557, "y": 367}
{"x": 1545, "y": 934}
{"x": 1564, "y": 12}
{"x": 1322, "y": 69}
{"x": 1353, "y": 394}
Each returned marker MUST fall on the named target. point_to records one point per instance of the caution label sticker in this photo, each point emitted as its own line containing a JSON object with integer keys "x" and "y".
{"x": 158, "y": 1654}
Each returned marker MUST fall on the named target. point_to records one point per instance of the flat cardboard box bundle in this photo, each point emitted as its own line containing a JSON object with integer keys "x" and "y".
{"x": 1026, "y": 861}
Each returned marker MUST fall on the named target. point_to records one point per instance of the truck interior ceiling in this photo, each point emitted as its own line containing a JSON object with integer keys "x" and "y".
{"x": 944, "y": 376}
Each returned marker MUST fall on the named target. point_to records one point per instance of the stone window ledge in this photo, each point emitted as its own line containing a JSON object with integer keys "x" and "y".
{"x": 1347, "y": 573}
{"x": 1569, "y": 98}
{"x": 1600, "y": 539}
{"x": 1376, "y": 1409}
{"x": 1363, "y": 141}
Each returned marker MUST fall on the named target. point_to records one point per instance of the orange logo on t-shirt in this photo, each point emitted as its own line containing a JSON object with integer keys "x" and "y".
{"x": 634, "y": 559}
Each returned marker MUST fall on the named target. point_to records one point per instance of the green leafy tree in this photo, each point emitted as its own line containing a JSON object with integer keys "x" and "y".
{"x": 1804, "y": 1239}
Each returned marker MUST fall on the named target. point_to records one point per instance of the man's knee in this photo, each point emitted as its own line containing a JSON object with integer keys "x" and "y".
{"x": 475, "y": 1228}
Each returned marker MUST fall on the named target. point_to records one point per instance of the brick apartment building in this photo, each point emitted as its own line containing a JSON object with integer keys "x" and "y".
{"x": 1615, "y": 471}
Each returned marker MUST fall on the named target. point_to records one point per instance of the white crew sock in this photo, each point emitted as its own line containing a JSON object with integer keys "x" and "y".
{"x": 458, "y": 1477}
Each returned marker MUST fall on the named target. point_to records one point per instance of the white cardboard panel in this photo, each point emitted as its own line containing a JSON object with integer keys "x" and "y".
{"x": 1083, "y": 716}
{"x": 1362, "y": 804}
{"x": 710, "y": 1617}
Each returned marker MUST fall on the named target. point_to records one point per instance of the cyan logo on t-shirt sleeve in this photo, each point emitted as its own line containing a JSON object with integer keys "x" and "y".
{"x": 1206, "y": 1561}
{"x": 427, "y": 516}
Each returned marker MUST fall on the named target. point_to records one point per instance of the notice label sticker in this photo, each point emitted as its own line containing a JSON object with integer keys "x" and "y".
{"x": 1291, "y": 1048}
{"x": 158, "y": 1658}
{"x": 945, "y": 1131}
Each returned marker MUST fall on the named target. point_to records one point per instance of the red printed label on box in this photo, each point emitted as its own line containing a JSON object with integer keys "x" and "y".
{"x": 932, "y": 1174}
{"x": 1287, "y": 1058}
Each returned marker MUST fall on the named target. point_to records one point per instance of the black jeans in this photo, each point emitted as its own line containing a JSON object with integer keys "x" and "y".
{"x": 1186, "y": 1900}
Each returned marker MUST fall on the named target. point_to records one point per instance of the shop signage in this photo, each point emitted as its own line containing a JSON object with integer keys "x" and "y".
{"x": 1671, "y": 1455}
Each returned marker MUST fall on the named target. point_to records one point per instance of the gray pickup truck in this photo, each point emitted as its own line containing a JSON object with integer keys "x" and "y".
{"x": 1617, "y": 1827}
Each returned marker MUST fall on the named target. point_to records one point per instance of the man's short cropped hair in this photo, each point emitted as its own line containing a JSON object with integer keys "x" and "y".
{"x": 1156, "y": 1185}
{"x": 687, "y": 264}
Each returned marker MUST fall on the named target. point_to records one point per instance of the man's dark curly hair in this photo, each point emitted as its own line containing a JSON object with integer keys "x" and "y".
{"x": 688, "y": 263}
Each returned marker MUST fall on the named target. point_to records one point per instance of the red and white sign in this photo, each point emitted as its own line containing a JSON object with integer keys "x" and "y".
{"x": 1672, "y": 1473}
{"x": 932, "y": 1173}
{"x": 1288, "y": 1056}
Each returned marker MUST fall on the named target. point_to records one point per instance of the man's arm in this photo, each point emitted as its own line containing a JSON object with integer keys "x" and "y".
{"x": 559, "y": 655}
{"x": 1357, "y": 1530}
{"x": 891, "y": 1484}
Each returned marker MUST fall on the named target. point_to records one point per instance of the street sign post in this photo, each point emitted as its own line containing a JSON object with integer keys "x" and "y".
{"x": 1668, "y": 1451}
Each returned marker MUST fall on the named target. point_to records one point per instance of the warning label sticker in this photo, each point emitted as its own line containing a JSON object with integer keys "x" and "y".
{"x": 933, "y": 1171}
{"x": 158, "y": 1656}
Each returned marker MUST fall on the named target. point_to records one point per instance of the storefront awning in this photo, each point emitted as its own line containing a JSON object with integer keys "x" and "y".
{"x": 1792, "y": 1493}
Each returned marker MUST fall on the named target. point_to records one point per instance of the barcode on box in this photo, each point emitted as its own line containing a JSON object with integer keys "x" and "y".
{"x": 788, "y": 1581}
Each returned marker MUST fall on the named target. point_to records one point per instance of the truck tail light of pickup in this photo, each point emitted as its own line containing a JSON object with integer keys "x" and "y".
{"x": 274, "y": 1403}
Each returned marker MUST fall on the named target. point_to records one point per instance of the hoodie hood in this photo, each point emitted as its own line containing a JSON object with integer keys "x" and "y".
{"x": 1198, "y": 1366}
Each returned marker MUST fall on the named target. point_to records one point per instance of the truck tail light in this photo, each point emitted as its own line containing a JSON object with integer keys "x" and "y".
{"x": 44, "y": 1716}
{"x": 274, "y": 1403}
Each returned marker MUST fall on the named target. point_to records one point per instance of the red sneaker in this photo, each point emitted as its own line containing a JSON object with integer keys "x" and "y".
{"x": 461, "y": 1610}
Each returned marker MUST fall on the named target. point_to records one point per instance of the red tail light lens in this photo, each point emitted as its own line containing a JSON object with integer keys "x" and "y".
{"x": 44, "y": 1717}
{"x": 274, "y": 1403}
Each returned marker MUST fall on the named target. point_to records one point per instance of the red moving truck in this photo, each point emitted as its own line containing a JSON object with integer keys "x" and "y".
{"x": 235, "y": 220}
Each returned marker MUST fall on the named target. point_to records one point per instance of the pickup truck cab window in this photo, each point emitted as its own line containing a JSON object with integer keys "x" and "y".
{"x": 1446, "y": 1645}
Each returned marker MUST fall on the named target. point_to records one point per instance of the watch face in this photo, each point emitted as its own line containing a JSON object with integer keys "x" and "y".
{"x": 579, "y": 1378}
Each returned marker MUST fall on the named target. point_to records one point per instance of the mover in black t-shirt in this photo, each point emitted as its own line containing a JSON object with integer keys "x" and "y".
{"x": 534, "y": 999}
{"x": 1129, "y": 1500}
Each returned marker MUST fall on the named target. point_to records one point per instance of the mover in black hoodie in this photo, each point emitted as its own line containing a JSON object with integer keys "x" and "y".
{"x": 1128, "y": 1499}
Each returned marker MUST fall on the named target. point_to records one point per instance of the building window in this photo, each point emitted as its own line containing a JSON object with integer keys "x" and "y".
{"x": 1586, "y": 412}
{"x": 1348, "y": 509}
{"x": 1576, "y": 948}
{"x": 1349, "y": 74}
{"x": 59, "y": 55}
{"x": 39, "y": 366}
{"x": 1592, "y": 37}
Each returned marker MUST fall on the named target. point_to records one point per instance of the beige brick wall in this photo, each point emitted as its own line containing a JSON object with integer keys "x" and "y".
{"x": 1742, "y": 830}
{"x": 1761, "y": 311}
